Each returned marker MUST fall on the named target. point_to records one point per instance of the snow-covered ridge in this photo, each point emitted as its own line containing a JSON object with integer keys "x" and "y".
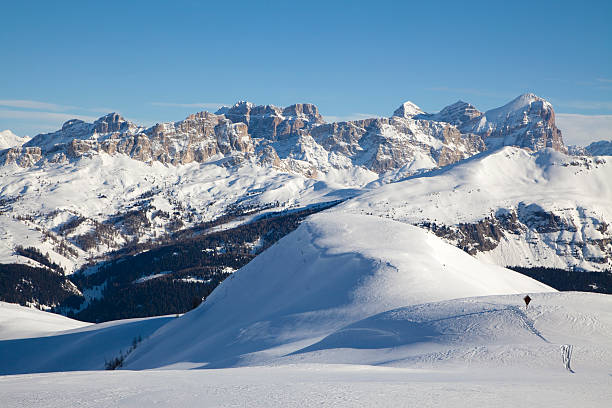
{"x": 510, "y": 207}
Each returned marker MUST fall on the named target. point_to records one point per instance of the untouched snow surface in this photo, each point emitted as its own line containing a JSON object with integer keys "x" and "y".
{"x": 307, "y": 385}
{"x": 19, "y": 322}
{"x": 85, "y": 347}
{"x": 335, "y": 269}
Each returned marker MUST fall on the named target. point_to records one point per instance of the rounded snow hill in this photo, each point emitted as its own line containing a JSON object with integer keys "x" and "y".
{"x": 334, "y": 270}
{"x": 20, "y": 322}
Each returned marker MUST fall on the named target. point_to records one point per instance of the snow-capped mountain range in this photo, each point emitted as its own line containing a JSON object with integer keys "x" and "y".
{"x": 297, "y": 139}
{"x": 90, "y": 188}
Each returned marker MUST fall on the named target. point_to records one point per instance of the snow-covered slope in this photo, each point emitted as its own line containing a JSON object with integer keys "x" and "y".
{"x": 91, "y": 206}
{"x": 491, "y": 331}
{"x": 21, "y": 322}
{"x": 348, "y": 310}
{"x": 332, "y": 271}
{"x": 72, "y": 346}
{"x": 510, "y": 207}
{"x": 8, "y": 139}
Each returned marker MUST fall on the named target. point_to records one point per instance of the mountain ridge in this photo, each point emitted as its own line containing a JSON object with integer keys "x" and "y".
{"x": 297, "y": 139}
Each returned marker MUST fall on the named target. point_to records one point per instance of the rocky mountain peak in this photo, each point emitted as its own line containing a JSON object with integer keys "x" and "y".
{"x": 296, "y": 138}
{"x": 456, "y": 114}
{"x": 521, "y": 105}
{"x": 112, "y": 122}
{"x": 70, "y": 123}
{"x": 407, "y": 110}
{"x": 304, "y": 111}
{"x": 600, "y": 148}
{"x": 239, "y": 108}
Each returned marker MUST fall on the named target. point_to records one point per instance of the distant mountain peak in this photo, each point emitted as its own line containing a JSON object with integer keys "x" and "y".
{"x": 518, "y": 105}
{"x": 111, "y": 122}
{"x": 9, "y": 139}
{"x": 407, "y": 110}
{"x": 456, "y": 114}
{"x": 70, "y": 123}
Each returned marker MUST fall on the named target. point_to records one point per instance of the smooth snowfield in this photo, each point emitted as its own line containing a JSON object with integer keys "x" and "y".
{"x": 307, "y": 385}
{"x": 20, "y": 322}
{"x": 335, "y": 269}
{"x": 85, "y": 347}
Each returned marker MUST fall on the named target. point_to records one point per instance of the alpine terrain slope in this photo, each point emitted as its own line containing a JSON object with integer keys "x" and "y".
{"x": 510, "y": 207}
{"x": 109, "y": 220}
{"x": 92, "y": 188}
{"x": 349, "y": 308}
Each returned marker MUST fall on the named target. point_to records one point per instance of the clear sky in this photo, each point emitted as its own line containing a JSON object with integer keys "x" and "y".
{"x": 157, "y": 61}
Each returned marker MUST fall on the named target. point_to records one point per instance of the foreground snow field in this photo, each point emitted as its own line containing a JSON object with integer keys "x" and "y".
{"x": 308, "y": 385}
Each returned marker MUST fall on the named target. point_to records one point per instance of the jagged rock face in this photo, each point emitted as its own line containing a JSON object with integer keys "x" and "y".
{"x": 111, "y": 123}
{"x": 271, "y": 122}
{"x": 532, "y": 125}
{"x": 387, "y": 144}
{"x": 297, "y": 139}
{"x": 458, "y": 114}
{"x": 22, "y": 156}
{"x": 198, "y": 138}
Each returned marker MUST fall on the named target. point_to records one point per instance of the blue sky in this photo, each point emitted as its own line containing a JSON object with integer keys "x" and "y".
{"x": 161, "y": 60}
